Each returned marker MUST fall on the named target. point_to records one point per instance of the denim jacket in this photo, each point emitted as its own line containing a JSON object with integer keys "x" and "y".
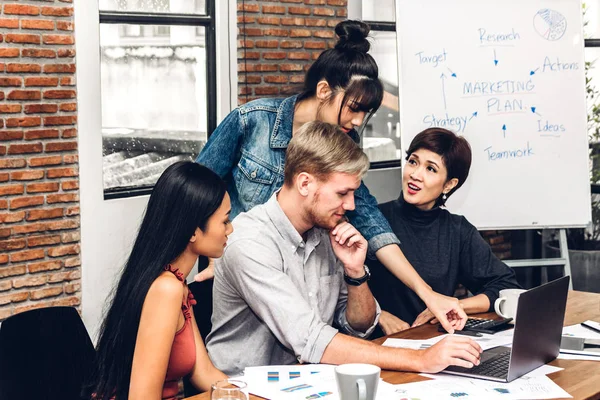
{"x": 248, "y": 150}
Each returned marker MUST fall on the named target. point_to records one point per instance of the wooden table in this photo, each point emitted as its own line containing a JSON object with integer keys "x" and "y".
{"x": 581, "y": 379}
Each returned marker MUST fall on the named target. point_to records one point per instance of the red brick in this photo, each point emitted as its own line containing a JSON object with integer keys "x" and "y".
{"x": 31, "y": 306}
{"x": 70, "y": 185}
{"x": 3, "y": 258}
{"x": 4, "y": 286}
{"x": 27, "y": 255}
{"x": 41, "y": 133}
{"x": 26, "y": 175}
{"x": 14, "y": 244}
{"x": 316, "y": 2}
{"x": 10, "y": 81}
{"x": 64, "y": 276}
{"x": 12, "y": 271}
{"x": 12, "y": 163}
{"x": 243, "y": 78}
{"x": 11, "y": 189}
{"x": 28, "y": 201}
{"x": 10, "y": 135}
{"x": 290, "y": 1}
{"x": 45, "y": 293}
{"x": 42, "y": 161}
{"x": 276, "y": 79}
{"x": 248, "y": 55}
{"x": 71, "y": 288}
{"x": 300, "y": 33}
{"x": 66, "y": 53}
{"x": 295, "y": 55}
{"x": 276, "y": 32}
{"x": 66, "y": 301}
{"x": 70, "y": 237}
{"x": 51, "y": 213}
{"x": 268, "y": 90}
{"x": 63, "y": 250}
{"x": 22, "y": 38}
{"x": 44, "y": 266}
{"x": 58, "y": 39}
{"x": 244, "y": 90}
{"x": 41, "y": 108}
{"x": 343, "y": 12}
{"x": 324, "y": 11}
{"x": 295, "y": 21}
{"x": 58, "y": 11}
{"x": 25, "y": 95}
{"x": 72, "y": 211}
{"x": 43, "y": 187}
{"x": 23, "y": 122}
{"x": 9, "y": 218}
{"x": 60, "y": 146}
{"x": 10, "y": 52}
{"x": 58, "y": 94}
{"x": 62, "y": 198}
{"x": 20, "y": 9}
{"x": 9, "y": 109}
{"x": 291, "y": 44}
{"x": 13, "y": 297}
{"x": 62, "y": 224}
{"x": 28, "y": 228}
{"x": 299, "y": 10}
{"x": 38, "y": 53}
{"x": 68, "y": 107}
{"x": 29, "y": 281}
{"x": 274, "y": 55}
{"x": 41, "y": 81}
{"x": 251, "y": 31}
{"x": 20, "y": 68}
{"x": 41, "y": 24}
{"x": 324, "y": 34}
{"x": 64, "y": 120}
{"x": 9, "y": 23}
{"x": 61, "y": 172}
{"x": 72, "y": 262}
{"x": 3, "y": 205}
{"x": 341, "y": 3}
{"x": 252, "y": 8}
{"x": 291, "y": 67}
{"x": 267, "y": 44}
{"x": 70, "y": 158}
{"x": 59, "y": 68}
{"x": 67, "y": 81}
{"x": 64, "y": 25}
{"x": 314, "y": 45}
{"x": 3, "y": 178}
{"x": 258, "y": 68}
{"x": 273, "y": 10}
{"x": 248, "y": 44}
{"x": 316, "y": 22}
{"x": 245, "y": 19}
{"x": 269, "y": 20}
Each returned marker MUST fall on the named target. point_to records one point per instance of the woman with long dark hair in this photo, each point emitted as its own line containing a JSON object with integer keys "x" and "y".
{"x": 149, "y": 338}
{"x": 341, "y": 87}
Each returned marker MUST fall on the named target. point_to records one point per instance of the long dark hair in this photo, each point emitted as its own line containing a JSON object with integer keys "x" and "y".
{"x": 183, "y": 199}
{"x": 348, "y": 66}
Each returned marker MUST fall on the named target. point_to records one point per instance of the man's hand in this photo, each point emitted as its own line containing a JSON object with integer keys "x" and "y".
{"x": 452, "y": 350}
{"x": 389, "y": 323}
{"x": 447, "y": 310}
{"x": 350, "y": 247}
{"x": 207, "y": 273}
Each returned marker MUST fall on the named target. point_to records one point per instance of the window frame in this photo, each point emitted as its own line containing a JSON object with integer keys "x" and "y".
{"x": 208, "y": 21}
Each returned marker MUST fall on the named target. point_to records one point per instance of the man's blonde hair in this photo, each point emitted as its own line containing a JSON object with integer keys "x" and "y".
{"x": 321, "y": 149}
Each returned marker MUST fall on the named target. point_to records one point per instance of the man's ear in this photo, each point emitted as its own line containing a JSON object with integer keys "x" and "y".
{"x": 323, "y": 91}
{"x": 304, "y": 181}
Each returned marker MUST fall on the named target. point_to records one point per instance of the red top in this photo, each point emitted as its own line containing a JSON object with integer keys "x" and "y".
{"x": 183, "y": 350}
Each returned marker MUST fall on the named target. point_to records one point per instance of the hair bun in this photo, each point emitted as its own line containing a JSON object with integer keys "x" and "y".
{"x": 353, "y": 36}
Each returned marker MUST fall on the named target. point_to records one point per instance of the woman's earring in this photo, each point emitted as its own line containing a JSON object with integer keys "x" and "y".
{"x": 444, "y": 197}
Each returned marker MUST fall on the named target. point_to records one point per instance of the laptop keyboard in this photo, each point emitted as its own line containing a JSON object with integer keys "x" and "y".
{"x": 496, "y": 366}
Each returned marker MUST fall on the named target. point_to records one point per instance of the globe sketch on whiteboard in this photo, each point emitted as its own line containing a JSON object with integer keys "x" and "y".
{"x": 550, "y": 24}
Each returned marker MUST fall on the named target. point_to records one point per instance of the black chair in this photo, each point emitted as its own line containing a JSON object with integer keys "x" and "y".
{"x": 202, "y": 292}
{"x": 44, "y": 354}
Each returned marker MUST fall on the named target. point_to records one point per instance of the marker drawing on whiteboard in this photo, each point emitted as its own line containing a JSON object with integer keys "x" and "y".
{"x": 533, "y": 71}
{"x": 495, "y": 58}
{"x": 504, "y": 130}
{"x": 452, "y": 73}
{"x": 533, "y": 110}
{"x": 473, "y": 116}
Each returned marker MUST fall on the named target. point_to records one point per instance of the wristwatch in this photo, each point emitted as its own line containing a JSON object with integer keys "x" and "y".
{"x": 358, "y": 281}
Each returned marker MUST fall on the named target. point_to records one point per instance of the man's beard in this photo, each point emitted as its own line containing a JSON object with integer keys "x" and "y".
{"x": 322, "y": 221}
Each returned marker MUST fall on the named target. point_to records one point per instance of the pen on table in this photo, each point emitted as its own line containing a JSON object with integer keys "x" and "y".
{"x": 590, "y": 327}
{"x": 468, "y": 333}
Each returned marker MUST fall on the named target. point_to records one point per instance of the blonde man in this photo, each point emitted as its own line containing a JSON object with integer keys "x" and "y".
{"x": 294, "y": 268}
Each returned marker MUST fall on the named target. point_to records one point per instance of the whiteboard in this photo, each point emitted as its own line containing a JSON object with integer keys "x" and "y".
{"x": 508, "y": 75}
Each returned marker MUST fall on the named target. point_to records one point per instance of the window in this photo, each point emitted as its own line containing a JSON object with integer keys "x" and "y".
{"x": 158, "y": 83}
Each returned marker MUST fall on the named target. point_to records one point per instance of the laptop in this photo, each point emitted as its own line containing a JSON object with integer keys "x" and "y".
{"x": 536, "y": 338}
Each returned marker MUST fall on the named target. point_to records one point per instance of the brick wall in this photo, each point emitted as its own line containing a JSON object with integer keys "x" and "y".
{"x": 278, "y": 40}
{"x": 39, "y": 184}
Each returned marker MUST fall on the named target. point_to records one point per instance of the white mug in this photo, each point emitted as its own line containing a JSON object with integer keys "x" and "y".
{"x": 357, "y": 381}
{"x": 506, "y": 305}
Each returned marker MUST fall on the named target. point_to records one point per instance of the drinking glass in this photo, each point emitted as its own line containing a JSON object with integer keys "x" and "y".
{"x": 228, "y": 389}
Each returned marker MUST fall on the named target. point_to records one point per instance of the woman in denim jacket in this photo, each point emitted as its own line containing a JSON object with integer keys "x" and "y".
{"x": 341, "y": 87}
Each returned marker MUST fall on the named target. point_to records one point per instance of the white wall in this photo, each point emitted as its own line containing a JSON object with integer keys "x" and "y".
{"x": 108, "y": 227}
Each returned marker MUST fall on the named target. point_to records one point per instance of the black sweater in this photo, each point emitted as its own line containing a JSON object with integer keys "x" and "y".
{"x": 445, "y": 249}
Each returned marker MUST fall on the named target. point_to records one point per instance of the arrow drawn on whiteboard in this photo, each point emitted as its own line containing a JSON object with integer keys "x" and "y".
{"x": 533, "y": 111}
{"x": 504, "y": 130}
{"x": 452, "y": 73}
{"x": 443, "y": 78}
{"x": 495, "y": 58}
{"x": 533, "y": 71}
{"x": 473, "y": 116}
